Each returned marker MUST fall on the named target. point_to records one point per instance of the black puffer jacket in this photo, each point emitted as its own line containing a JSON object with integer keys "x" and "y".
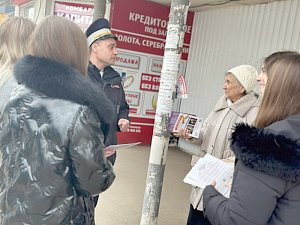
{"x": 266, "y": 182}
{"x": 51, "y": 145}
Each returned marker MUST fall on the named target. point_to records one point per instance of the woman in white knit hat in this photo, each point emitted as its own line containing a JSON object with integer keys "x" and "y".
{"x": 238, "y": 104}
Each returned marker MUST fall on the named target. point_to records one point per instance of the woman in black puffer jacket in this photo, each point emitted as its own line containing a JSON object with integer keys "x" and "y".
{"x": 52, "y": 132}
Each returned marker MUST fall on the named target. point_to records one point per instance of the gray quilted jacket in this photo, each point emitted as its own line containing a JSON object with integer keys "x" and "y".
{"x": 266, "y": 182}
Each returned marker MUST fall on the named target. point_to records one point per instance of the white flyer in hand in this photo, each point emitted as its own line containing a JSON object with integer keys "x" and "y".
{"x": 117, "y": 147}
{"x": 208, "y": 169}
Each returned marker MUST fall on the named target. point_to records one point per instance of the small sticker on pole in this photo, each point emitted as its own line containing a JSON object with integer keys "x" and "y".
{"x": 182, "y": 91}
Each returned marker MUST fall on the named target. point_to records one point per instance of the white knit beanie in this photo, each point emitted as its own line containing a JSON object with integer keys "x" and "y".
{"x": 246, "y": 75}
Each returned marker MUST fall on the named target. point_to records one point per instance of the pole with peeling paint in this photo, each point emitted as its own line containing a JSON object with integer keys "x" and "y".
{"x": 160, "y": 138}
{"x": 99, "y": 9}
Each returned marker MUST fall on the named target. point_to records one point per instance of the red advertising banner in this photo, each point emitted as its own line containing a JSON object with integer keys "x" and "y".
{"x": 20, "y": 2}
{"x": 141, "y": 29}
{"x": 142, "y": 26}
{"x": 140, "y": 131}
{"x": 81, "y": 14}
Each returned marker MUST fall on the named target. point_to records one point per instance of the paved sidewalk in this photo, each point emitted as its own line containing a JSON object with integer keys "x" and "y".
{"x": 122, "y": 204}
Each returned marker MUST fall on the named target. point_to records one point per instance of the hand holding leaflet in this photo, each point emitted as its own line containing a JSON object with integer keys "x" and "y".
{"x": 182, "y": 121}
{"x": 209, "y": 169}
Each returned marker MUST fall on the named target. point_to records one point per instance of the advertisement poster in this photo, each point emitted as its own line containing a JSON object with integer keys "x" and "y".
{"x": 81, "y": 14}
{"x": 141, "y": 29}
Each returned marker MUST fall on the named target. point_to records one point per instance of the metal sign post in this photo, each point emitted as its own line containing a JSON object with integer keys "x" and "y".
{"x": 160, "y": 138}
{"x": 99, "y": 9}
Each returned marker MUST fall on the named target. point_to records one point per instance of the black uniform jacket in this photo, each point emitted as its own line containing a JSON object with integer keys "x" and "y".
{"x": 111, "y": 84}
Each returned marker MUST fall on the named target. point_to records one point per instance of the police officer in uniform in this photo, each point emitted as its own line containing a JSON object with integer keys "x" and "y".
{"x": 103, "y": 53}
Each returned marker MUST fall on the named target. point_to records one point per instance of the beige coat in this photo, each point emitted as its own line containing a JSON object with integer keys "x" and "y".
{"x": 216, "y": 131}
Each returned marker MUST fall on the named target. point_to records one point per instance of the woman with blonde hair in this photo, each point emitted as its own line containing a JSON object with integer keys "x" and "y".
{"x": 52, "y": 133}
{"x": 266, "y": 182}
{"x": 14, "y": 35}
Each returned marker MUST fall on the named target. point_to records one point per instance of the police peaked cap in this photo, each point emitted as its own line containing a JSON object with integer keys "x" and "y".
{"x": 99, "y": 30}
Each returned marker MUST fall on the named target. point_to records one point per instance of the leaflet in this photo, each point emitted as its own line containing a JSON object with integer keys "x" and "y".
{"x": 120, "y": 146}
{"x": 208, "y": 169}
{"x": 186, "y": 121}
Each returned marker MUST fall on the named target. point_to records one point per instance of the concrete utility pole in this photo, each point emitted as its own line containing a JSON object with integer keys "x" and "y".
{"x": 99, "y": 9}
{"x": 160, "y": 138}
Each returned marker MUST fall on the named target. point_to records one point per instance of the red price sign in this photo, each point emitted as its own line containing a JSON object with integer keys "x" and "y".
{"x": 149, "y": 82}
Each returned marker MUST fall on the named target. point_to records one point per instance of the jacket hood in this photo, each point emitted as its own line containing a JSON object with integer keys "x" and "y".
{"x": 57, "y": 80}
{"x": 271, "y": 150}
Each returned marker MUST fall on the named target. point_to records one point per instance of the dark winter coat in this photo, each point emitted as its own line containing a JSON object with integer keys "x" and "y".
{"x": 51, "y": 145}
{"x": 111, "y": 84}
{"x": 266, "y": 185}
{"x": 6, "y": 88}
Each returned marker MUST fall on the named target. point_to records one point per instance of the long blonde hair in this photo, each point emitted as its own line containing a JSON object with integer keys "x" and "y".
{"x": 282, "y": 94}
{"x": 61, "y": 40}
{"x": 14, "y": 35}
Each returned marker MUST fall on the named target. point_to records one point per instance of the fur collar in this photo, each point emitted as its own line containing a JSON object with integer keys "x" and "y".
{"x": 241, "y": 106}
{"x": 266, "y": 151}
{"x": 57, "y": 80}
